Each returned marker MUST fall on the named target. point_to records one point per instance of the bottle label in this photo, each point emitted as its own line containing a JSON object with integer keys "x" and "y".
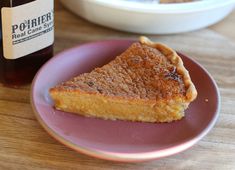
{"x": 27, "y": 28}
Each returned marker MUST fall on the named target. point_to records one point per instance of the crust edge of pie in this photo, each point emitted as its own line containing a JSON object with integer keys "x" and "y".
{"x": 191, "y": 92}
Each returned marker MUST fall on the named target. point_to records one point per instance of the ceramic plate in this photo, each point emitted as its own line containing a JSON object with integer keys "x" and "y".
{"x": 120, "y": 140}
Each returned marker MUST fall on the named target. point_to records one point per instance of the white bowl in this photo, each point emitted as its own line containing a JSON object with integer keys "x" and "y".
{"x": 151, "y": 18}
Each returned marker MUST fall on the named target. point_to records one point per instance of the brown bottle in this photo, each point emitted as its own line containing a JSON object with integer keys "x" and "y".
{"x": 26, "y": 39}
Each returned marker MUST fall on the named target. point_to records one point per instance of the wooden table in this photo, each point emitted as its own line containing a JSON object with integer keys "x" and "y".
{"x": 24, "y": 144}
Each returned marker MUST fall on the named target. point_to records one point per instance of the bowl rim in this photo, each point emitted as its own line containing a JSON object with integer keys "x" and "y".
{"x": 188, "y": 7}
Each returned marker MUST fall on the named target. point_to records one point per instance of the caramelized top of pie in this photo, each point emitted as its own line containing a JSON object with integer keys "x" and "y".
{"x": 142, "y": 71}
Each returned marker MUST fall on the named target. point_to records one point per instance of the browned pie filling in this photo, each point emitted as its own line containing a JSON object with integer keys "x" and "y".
{"x": 141, "y": 72}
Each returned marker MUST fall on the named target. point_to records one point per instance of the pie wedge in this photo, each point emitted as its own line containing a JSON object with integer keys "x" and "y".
{"x": 148, "y": 82}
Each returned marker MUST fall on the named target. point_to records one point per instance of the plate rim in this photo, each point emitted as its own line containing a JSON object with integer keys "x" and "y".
{"x": 123, "y": 157}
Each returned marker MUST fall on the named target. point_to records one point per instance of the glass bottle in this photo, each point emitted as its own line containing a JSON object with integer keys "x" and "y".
{"x": 26, "y": 39}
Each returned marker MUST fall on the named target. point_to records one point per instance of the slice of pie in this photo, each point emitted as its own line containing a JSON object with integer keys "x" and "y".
{"x": 148, "y": 82}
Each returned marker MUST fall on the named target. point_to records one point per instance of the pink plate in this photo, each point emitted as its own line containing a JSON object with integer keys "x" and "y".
{"x": 120, "y": 140}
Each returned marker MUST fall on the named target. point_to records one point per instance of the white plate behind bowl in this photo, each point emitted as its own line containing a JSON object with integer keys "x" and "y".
{"x": 151, "y": 18}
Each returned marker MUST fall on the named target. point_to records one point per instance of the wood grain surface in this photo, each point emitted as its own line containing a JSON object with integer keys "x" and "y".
{"x": 226, "y": 26}
{"x": 24, "y": 144}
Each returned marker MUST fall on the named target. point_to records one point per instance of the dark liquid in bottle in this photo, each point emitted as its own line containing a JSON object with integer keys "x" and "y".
{"x": 20, "y": 71}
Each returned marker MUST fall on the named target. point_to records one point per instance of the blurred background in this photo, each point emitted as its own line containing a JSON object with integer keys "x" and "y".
{"x": 131, "y": 18}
